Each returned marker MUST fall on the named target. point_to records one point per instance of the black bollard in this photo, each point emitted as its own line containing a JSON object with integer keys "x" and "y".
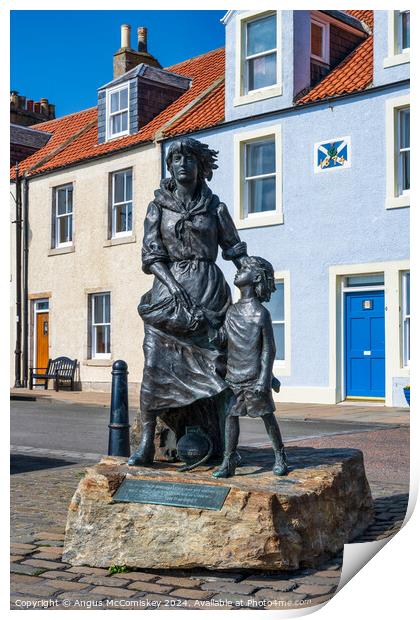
{"x": 119, "y": 428}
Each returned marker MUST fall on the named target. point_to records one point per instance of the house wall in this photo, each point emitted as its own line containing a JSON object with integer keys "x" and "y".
{"x": 95, "y": 264}
{"x": 331, "y": 218}
{"x": 385, "y": 71}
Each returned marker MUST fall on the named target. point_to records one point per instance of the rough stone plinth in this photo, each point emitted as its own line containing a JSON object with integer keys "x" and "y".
{"x": 266, "y": 522}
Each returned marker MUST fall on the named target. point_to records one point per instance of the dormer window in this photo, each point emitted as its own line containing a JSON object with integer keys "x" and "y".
{"x": 132, "y": 99}
{"x": 258, "y": 56}
{"x": 320, "y": 41}
{"x": 117, "y": 111}
{"x": 261, "y": 53}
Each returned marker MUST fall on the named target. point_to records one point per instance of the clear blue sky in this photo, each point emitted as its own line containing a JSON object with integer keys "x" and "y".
{"x": 66, "y": 55}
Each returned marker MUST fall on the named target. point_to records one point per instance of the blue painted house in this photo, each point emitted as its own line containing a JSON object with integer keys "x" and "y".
{"x": 314, "y": 164}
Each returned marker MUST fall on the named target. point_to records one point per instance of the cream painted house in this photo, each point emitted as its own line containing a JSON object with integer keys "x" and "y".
{"x": 93, "y": 268}
{"x": 85, "y": 194}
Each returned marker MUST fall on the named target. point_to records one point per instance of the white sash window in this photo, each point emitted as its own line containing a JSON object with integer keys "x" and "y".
{"x": 63, "y": 216}
{"x": 118, "y": 111}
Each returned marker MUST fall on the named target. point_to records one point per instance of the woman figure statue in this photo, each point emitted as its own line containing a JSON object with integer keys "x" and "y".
{"x": 184, "y": 226}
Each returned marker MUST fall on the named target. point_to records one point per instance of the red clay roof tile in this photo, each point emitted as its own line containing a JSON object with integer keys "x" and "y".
{"x": 210, "y": 111}
{"x": 353, "y": 74}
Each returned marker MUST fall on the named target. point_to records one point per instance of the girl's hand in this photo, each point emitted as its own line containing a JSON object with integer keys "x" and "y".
{"x": 261, "y": 388}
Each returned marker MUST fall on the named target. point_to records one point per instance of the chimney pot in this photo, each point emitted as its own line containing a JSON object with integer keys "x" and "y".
{"x": 30, "y": 105}
{"x": 44, "y": 105}
{"x": 126, "y": 36}
{"x": 21, "y": 102}
{"x": 37, "y": 107}
{"x": 142, "y": 39}
{"x": 14, "y": 97}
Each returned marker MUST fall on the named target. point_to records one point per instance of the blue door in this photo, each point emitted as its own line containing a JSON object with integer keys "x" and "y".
{"x": 365, "y": 344}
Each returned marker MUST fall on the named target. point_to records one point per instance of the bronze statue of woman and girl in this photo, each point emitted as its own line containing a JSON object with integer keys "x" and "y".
{"x": 197, "y": 344}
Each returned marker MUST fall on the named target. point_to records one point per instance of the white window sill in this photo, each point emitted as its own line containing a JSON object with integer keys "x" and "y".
{"x": 119, "y": 240}
{"x": 62, "y": 249}
{"x": 117, "y": 136}
{"x": 398, "y": 202}
{"x": 257, "y": 95}
{"x": 257, "y": 221}
{"x": 398, "y": 59}
{"x": 98, "y": 361}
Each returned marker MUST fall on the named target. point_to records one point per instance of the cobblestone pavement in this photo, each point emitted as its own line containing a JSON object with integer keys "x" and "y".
{"x": 42, "y": 486}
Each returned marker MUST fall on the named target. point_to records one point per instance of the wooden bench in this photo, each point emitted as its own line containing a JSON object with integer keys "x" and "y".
{"x": 59, "y": 369}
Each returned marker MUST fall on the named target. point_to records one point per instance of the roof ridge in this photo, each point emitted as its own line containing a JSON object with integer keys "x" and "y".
{"x": 160, "y": 133}
{"x": 60, "y": 118}
{"x": 183, "y": 124}
{"x": 59, "y": 147}
{"x": 222, "y": 47}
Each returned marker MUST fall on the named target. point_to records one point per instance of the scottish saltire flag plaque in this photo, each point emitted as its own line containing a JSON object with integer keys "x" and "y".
{"x": 332, "y": 154}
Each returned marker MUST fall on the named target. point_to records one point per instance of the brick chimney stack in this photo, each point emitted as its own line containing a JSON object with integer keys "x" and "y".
{"x": 126, "y": 58}
{"x": 28, "y": 112}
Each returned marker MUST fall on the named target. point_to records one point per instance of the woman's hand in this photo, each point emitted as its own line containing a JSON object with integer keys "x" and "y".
{"x": 179, "y": 293}
{"x": 161, "y": 271}
{"x": 238, "y": 261}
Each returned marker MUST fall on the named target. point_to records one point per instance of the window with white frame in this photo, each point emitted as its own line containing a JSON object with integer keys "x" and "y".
{"x": 100, "y": 325}
{"x": 258, "y": 187}
{"x": 403, "y": 150}
{"x": 260, "y": 176}
{"x": 398, "y": 152}
{"x": 403, "y": 31}
{"x": 320, "y": 40}
{"x": 405, "y": 312}
{"x": 276, "y": 307}
{"x": 398, "y": 38}
{"x": 118, "y": 111}
{"x": 63, "y": 216}
{"x": 121, "y": 203}
{"x": 260, "y": 61}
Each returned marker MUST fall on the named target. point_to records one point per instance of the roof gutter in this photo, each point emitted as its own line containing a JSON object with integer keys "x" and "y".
{"x": 93, "y": 158}
{"x": 329, "y": 101}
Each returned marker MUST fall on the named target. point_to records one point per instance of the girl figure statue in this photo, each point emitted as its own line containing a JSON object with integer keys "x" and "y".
{"x": 251, "y": 350}
{"x": 184, "y": 226}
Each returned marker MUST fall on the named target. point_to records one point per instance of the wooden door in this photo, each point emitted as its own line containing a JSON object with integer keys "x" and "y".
{"x": 42, "y": 329}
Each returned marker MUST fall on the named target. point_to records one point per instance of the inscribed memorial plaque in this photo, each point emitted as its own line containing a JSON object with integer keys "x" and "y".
{"x": 209, "y": 497}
